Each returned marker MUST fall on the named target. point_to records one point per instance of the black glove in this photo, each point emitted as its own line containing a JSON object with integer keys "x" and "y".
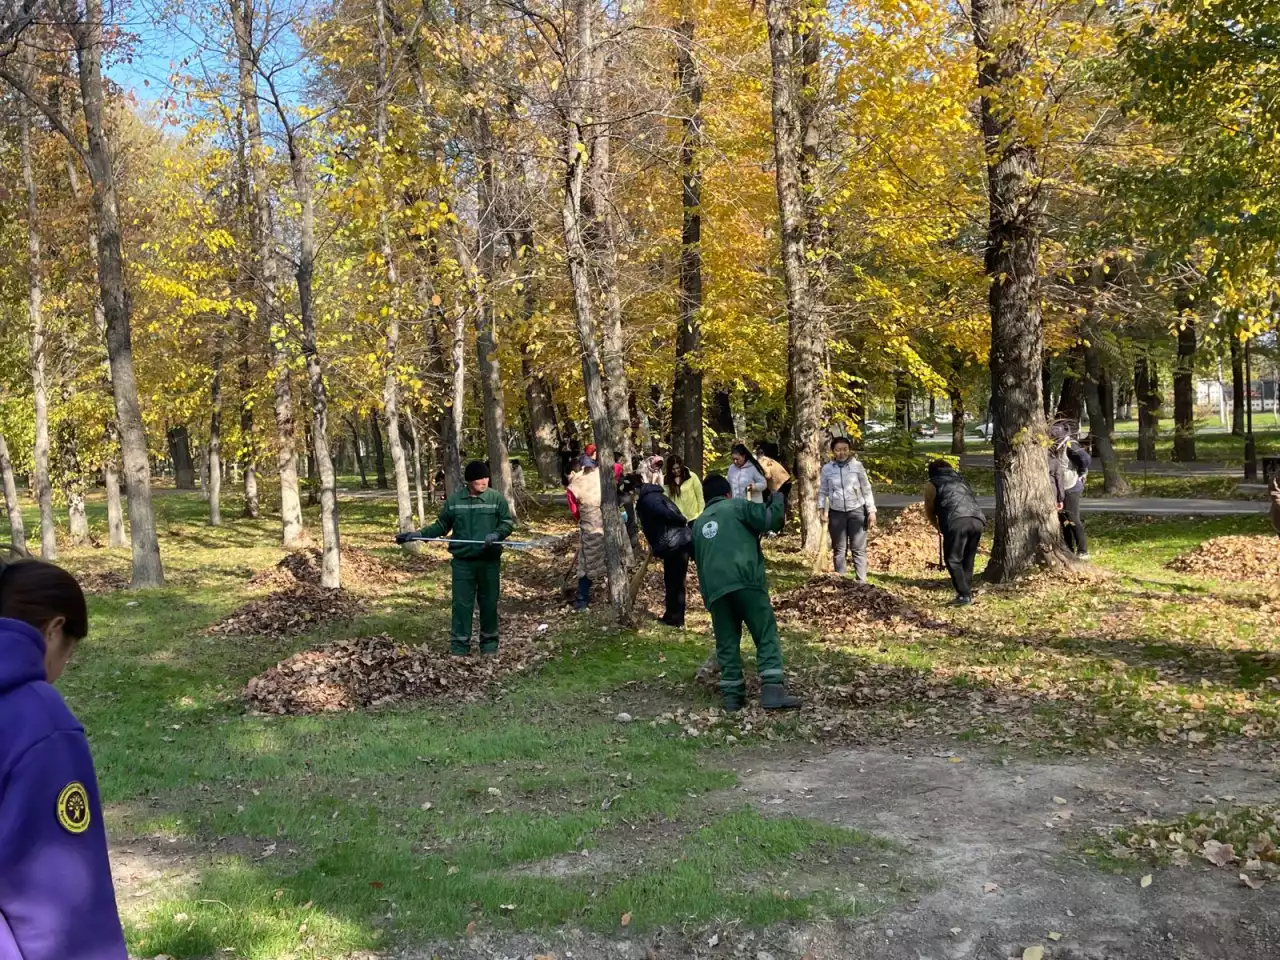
{"x": 492, "y": 537}
{"x": 405, "y": 537}
{"x": 784, "y": 491}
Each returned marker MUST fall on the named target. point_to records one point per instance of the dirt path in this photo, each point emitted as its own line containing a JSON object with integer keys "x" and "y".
{"x": 999, "y": 854}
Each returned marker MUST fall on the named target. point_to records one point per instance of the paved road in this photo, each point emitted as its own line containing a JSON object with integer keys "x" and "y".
{"x": 1137, "y": 506}
{"x": 1132, "y": 468}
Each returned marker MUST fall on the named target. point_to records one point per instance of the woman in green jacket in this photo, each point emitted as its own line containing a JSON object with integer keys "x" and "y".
{"x": 684, "y": 489}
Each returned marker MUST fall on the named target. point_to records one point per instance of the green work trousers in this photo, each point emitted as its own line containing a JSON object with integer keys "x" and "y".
{"x": 475, "y": 582}
{"x": 728, "y": 614}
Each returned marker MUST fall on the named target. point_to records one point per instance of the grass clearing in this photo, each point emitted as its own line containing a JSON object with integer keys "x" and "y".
{"x": 314, "y": 836}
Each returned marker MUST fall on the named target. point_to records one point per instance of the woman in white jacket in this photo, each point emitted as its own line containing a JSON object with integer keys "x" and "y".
{"x": 745, "y": 476}
{"x": 848, "y": 507}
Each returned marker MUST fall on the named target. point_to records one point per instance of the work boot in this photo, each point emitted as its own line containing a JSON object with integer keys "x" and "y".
{"x": 733, "y": 702}
{"x": 962, "y": 600}
{"x": 774, "y": 696}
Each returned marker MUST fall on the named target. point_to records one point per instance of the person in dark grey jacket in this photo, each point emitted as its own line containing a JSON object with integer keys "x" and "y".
{"x": 667, "y": 531}
{"x": 952, "y": 508}
{"x": 848, "y": 506}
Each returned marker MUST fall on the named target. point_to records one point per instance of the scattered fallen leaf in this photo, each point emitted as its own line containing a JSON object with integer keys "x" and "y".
{"x": 1219, "y": 854}
{"x": 1145, "y": 881}
{"x": 1054, "y": 936}
{"x": 1033, "y": 953}
{"x": 626, "y": 919}
{"x": 471, "y": 929}
{"x": 990, "y": 887}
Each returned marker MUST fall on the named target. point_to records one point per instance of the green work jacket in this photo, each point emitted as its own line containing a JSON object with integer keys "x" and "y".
{"x": 726, "y": 544}
{"x": 467, "y": 517}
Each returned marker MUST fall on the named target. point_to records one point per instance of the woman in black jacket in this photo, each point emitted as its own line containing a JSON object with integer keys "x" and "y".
{"x": 669, "y": 538}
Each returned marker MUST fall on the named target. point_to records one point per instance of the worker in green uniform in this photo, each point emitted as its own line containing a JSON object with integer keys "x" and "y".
{"x": 473, "y": 513}
{"x": 726, "y": 548}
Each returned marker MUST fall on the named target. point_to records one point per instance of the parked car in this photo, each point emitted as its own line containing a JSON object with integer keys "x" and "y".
{"x": 985, "y": 430}
{"x": 926, "y": 429}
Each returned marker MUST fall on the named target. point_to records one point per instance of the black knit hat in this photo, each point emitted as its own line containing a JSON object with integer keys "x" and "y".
{"x": 477, "y": 470}
{"x": 716, "y": 486}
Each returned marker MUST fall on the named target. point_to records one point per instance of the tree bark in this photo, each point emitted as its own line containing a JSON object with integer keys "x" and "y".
{"x": 1046, "y": 382}
{"x": 1237, "y": 387}
{"x": 17, "y": 529}
{"x": 1101, "y": 433}
{"x": 35, "y": 314}
{"x": 330, "y": 536}
{"x": 184, "y": 470}
{"x": 803, "y": 330}
{"x": 73, "y": 486}
{"x": 1146, "y": 385}
{"x": 111, "y": 480}
{"x": 578, "y": 46}
{"x": 1184, "y": 394}
{"x": 215, "y": 442}
{"x": 686, "y": 397}
{"x": 248, "y": 442}
{"x": 1026, "y": 521}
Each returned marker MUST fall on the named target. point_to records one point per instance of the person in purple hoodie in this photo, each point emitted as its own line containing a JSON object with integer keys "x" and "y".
{"x": 56, "y": 897}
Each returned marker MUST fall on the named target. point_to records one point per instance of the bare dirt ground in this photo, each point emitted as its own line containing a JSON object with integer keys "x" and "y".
{"x": 997, "y": 844}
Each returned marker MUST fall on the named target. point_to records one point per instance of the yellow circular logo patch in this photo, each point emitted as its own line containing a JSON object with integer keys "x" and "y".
{"x": 73, "y": 808}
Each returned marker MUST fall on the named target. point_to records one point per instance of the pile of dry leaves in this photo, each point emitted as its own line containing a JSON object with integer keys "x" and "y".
{"x": 838, "y": 605}
{"x": 908, "y": 545}
{"x": 370, "y": 672}
{"x": 297, "y": 609}
{"x": 1239, "y": 558}
{"x": 103, "y": 581}
{"x": 360, "y": 570}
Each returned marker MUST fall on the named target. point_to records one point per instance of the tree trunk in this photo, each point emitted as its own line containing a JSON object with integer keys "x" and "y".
{"x": 417, "y": 467}
{"x": 803, "y": 329}
{"x": 35, "y": 312}
{"x": 17, "y": 529}
{"x": 266, "y": 275}
{"x": 248, "y": 443}
{"x": 1184, "y": 394}
{"x": 1026, "y": 521}
{"x": 73, "y": 487}
{"x": 1146, "y": 385}
{"x": 184, "y": 470}
{"x": 1237, "y": 387}
{"x": 330, "y": 571}
{"x": 538, "y": 397}
{"x": 390, "y": 386}
{"x": 379, "y": 455}
{"x": 957, "y": 419}
{"x": 600, "y": 239}
{"x": 215, "y": 442}
{"x": 353, "y": 423}
{"x": 1046, "y": 382}
{"x": 901, "y": 401}
{"x": 458, "y": 396}
{"x": 578, "y": 47}
{"x": 492, "y": 223}
{"x": 1114, "y": 483}
{"x": 686, "y": 397}
{"x": 1071, "y": 397}
{"x": 111, "y": 480}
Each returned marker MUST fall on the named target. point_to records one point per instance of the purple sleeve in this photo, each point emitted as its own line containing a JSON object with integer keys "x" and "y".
{"x": 56, "y": 895}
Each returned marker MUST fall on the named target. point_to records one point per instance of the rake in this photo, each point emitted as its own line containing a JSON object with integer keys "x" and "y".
{"x": 537, "y": 543}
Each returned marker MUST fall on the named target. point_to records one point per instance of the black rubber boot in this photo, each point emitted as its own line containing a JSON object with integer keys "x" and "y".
{"x": 774, "y": 696}
{"x": 733, "y": 702}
